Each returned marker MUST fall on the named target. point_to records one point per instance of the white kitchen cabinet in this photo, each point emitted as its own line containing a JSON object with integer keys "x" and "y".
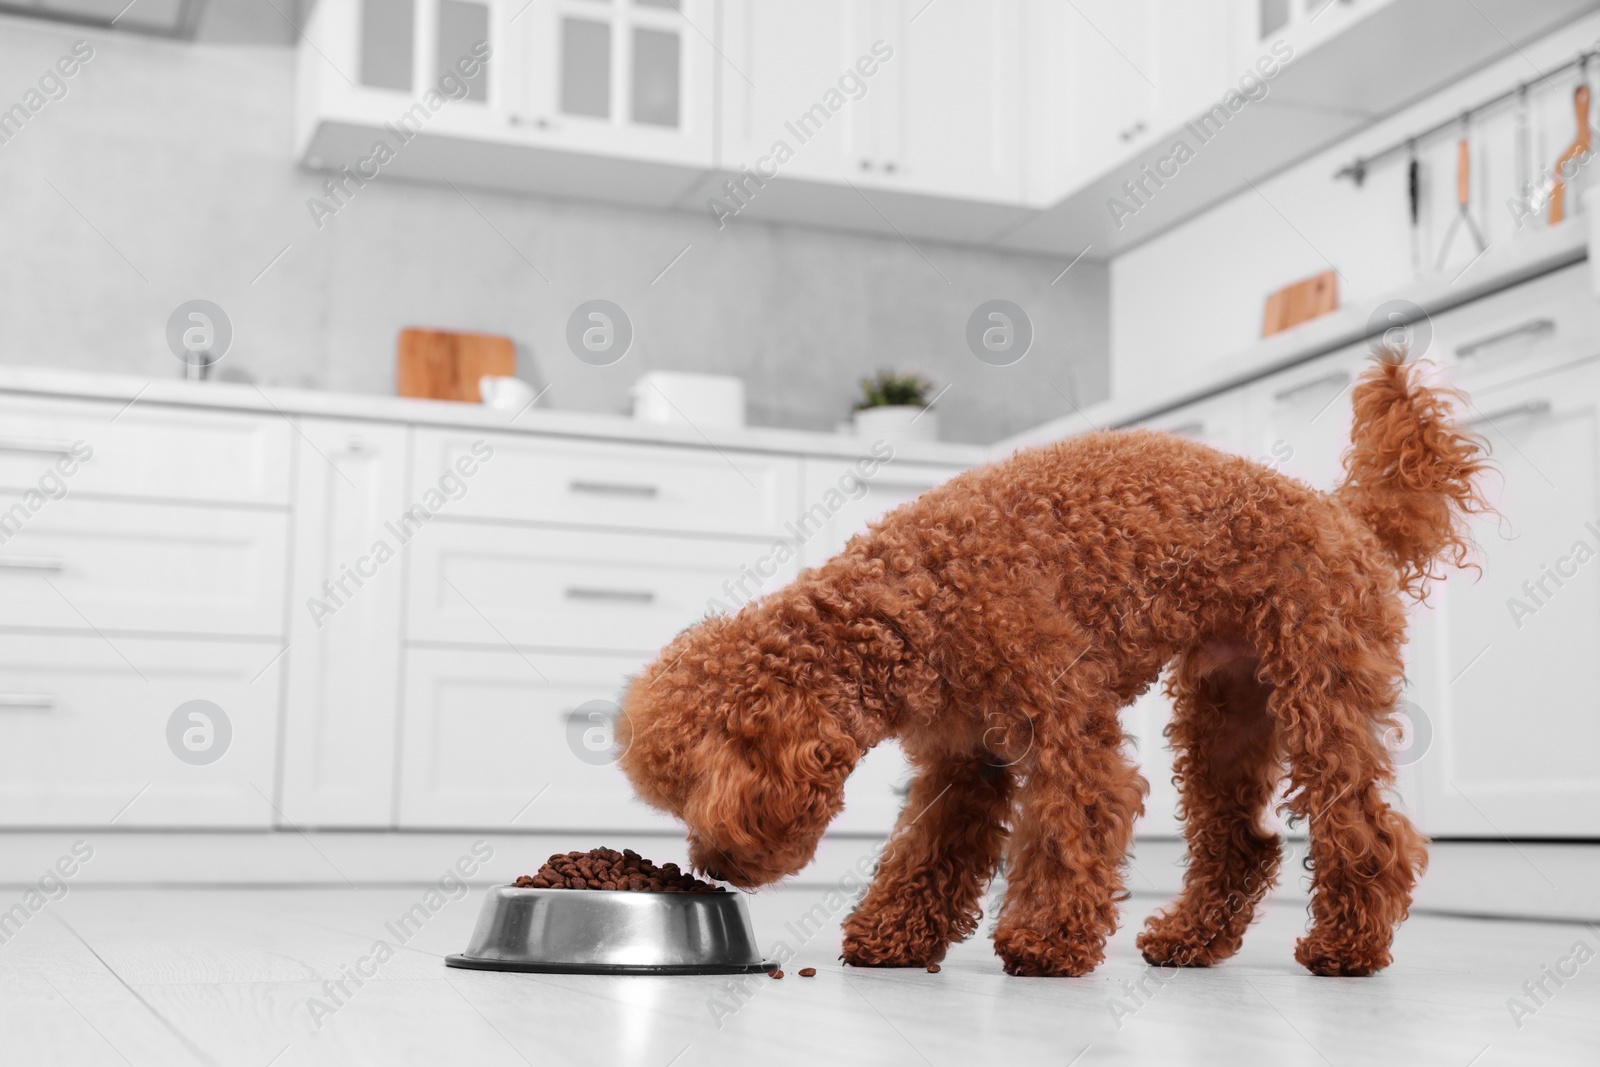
{"x": 1219, "y": 421}
{"x": 341, "y": 717}
{"x": 91, "y": 565}
{"x": 1256, "y": 24}
{"x": 395, "y": 67}
{"x": 957, "y": 126}
{"x": 783, "y": 72}
{"x": 494, "y": 740}
{"x": 1507, "y": 673}
{"x": 488, "y": 584}
{"x": 1550, "y": 320}
{"x": 840, "y": 499}
{"x": 1195, "y": 58}
{"x": 626, "y": 78}
{"x": 878, "y": 93}
{"x": 594, "y": 483}
{"x": 1107, "y": 78}
{"x": 144, "y": 450}
{"x": 1108, "y": 51}
{"x": 84, "y": 732}
{"x": 1298, "y": 420}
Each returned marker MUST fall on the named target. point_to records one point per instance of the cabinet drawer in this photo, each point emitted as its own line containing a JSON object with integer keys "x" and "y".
{"x": 149, "y": 451}
{"x": 634, "y": 487}
{"x": 484, "y": 735}
{"x": 115, "y": 565}
{"x": 1502, "y": 337}
{"x": 843, "y": 498}
{"x": 1298, "y": 420}
{"x": 84, "y": 731}
{"x": 481, "y": 584}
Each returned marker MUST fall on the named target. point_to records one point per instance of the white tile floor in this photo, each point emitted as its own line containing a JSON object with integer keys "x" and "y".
{"x": 226, "y": 976}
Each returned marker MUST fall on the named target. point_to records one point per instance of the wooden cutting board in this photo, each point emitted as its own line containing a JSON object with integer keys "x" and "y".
{"x": 446, "y": 364}
{"x": 1300, "y": 302}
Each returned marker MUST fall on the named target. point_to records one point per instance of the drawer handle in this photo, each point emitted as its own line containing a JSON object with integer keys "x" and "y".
{"x": 614, "y": 489}
{"x": 1531, "y": 328}
{"x": 44, "y": 701}
{"x": 1529, "y": 409}
{"x": 24, "y": 444}
{"x": 1338, "y": 377}
{"x": 1188, "y": 429}
{"x": 32, "y": 563}
{"x": 621, "y": 596}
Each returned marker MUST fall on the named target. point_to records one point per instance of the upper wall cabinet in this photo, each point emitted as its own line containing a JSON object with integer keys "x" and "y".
{"x": 956, "y": 127}
{"x": 794, "y": 100}
{"x": 601, "y": 99}
{"x": 1012, "y": 123}
{"x": 615, "y": 77}
{"x": 882, "y": 94}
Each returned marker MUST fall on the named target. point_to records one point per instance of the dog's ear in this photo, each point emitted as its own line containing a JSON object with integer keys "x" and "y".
{"x": 774, "y": 777}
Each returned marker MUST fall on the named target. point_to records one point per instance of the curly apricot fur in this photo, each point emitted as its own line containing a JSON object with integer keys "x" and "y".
{"x": 996, "y": 625}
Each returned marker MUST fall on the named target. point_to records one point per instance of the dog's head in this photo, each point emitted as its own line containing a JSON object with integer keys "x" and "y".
{"x": 722, "y": 732}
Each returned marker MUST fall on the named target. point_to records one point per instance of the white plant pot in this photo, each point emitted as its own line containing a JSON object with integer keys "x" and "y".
{"x": 900, "y": 422}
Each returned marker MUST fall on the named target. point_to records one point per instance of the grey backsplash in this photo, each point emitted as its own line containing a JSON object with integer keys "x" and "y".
{"x": 166, "y": 174}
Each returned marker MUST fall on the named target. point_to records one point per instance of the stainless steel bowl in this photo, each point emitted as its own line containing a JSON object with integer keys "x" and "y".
{"x": 605, "y": 931}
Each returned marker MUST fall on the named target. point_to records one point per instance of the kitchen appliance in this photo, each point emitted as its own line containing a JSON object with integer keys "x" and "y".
{"x": 703, "y": 401}
{"x": 605, "y": 931}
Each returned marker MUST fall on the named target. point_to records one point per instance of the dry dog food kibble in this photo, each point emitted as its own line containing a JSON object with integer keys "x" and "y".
{"x": 808, "y": 972}
{"x": 606, "y": 868}
{"x": 933, "y": 968}
{"x": 774, "y": 974}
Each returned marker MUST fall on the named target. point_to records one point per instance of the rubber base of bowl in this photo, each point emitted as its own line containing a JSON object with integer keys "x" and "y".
{"x": 477, "y": 963}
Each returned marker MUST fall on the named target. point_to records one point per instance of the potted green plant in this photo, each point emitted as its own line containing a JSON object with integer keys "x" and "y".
{"x": 896, "y": 407}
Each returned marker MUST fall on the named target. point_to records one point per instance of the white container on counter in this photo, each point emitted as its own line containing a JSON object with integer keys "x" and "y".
{"x": 700, "y": 400}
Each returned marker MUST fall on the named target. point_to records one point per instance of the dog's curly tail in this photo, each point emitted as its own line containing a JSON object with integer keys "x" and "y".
{"x": 1411, "y": 473}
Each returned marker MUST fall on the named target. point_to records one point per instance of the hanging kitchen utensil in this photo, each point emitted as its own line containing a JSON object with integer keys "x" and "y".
{"x": 1523, "y": 148}
{"x": 1576, "y": 153}
{"x": 1414, "y": 209}
{"x": 1463, "y": 216}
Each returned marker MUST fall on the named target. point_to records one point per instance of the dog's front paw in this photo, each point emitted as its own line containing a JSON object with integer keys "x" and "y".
{"x": 1027, "y": 953}
{"x": 1332, "y": 958}
{"x": 870, "y": 944}
{"x": 1169, "y": 941}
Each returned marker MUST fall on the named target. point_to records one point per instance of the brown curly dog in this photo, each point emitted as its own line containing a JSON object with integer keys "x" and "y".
{"x": 997, "y": 624}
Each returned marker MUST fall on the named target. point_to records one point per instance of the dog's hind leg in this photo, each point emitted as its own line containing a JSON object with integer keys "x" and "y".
{"x": 1227, "y": 765}
{"x": 1064, "y": 865}
{"x": 1330, "y": 710}
{"x": 931, "y": 875}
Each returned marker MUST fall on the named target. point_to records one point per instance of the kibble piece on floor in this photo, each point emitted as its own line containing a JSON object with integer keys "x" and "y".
{"x": 808, "y": 972}
{"x": 774, "y": 974}
{"x": 933, "y": 968}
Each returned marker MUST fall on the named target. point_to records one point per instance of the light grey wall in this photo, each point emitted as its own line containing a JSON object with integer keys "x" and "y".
{"x": 165, "y": 174}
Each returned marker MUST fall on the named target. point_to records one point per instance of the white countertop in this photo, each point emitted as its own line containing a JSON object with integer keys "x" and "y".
{"x": 442, "y": 413}
{"x": 1535, "y": 254}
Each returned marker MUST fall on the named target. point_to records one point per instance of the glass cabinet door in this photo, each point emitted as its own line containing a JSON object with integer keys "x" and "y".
{"x": 629, "y": 77}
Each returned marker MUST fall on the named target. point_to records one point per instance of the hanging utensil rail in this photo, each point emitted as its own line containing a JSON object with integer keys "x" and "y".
{"x": 1356, "y": 170}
